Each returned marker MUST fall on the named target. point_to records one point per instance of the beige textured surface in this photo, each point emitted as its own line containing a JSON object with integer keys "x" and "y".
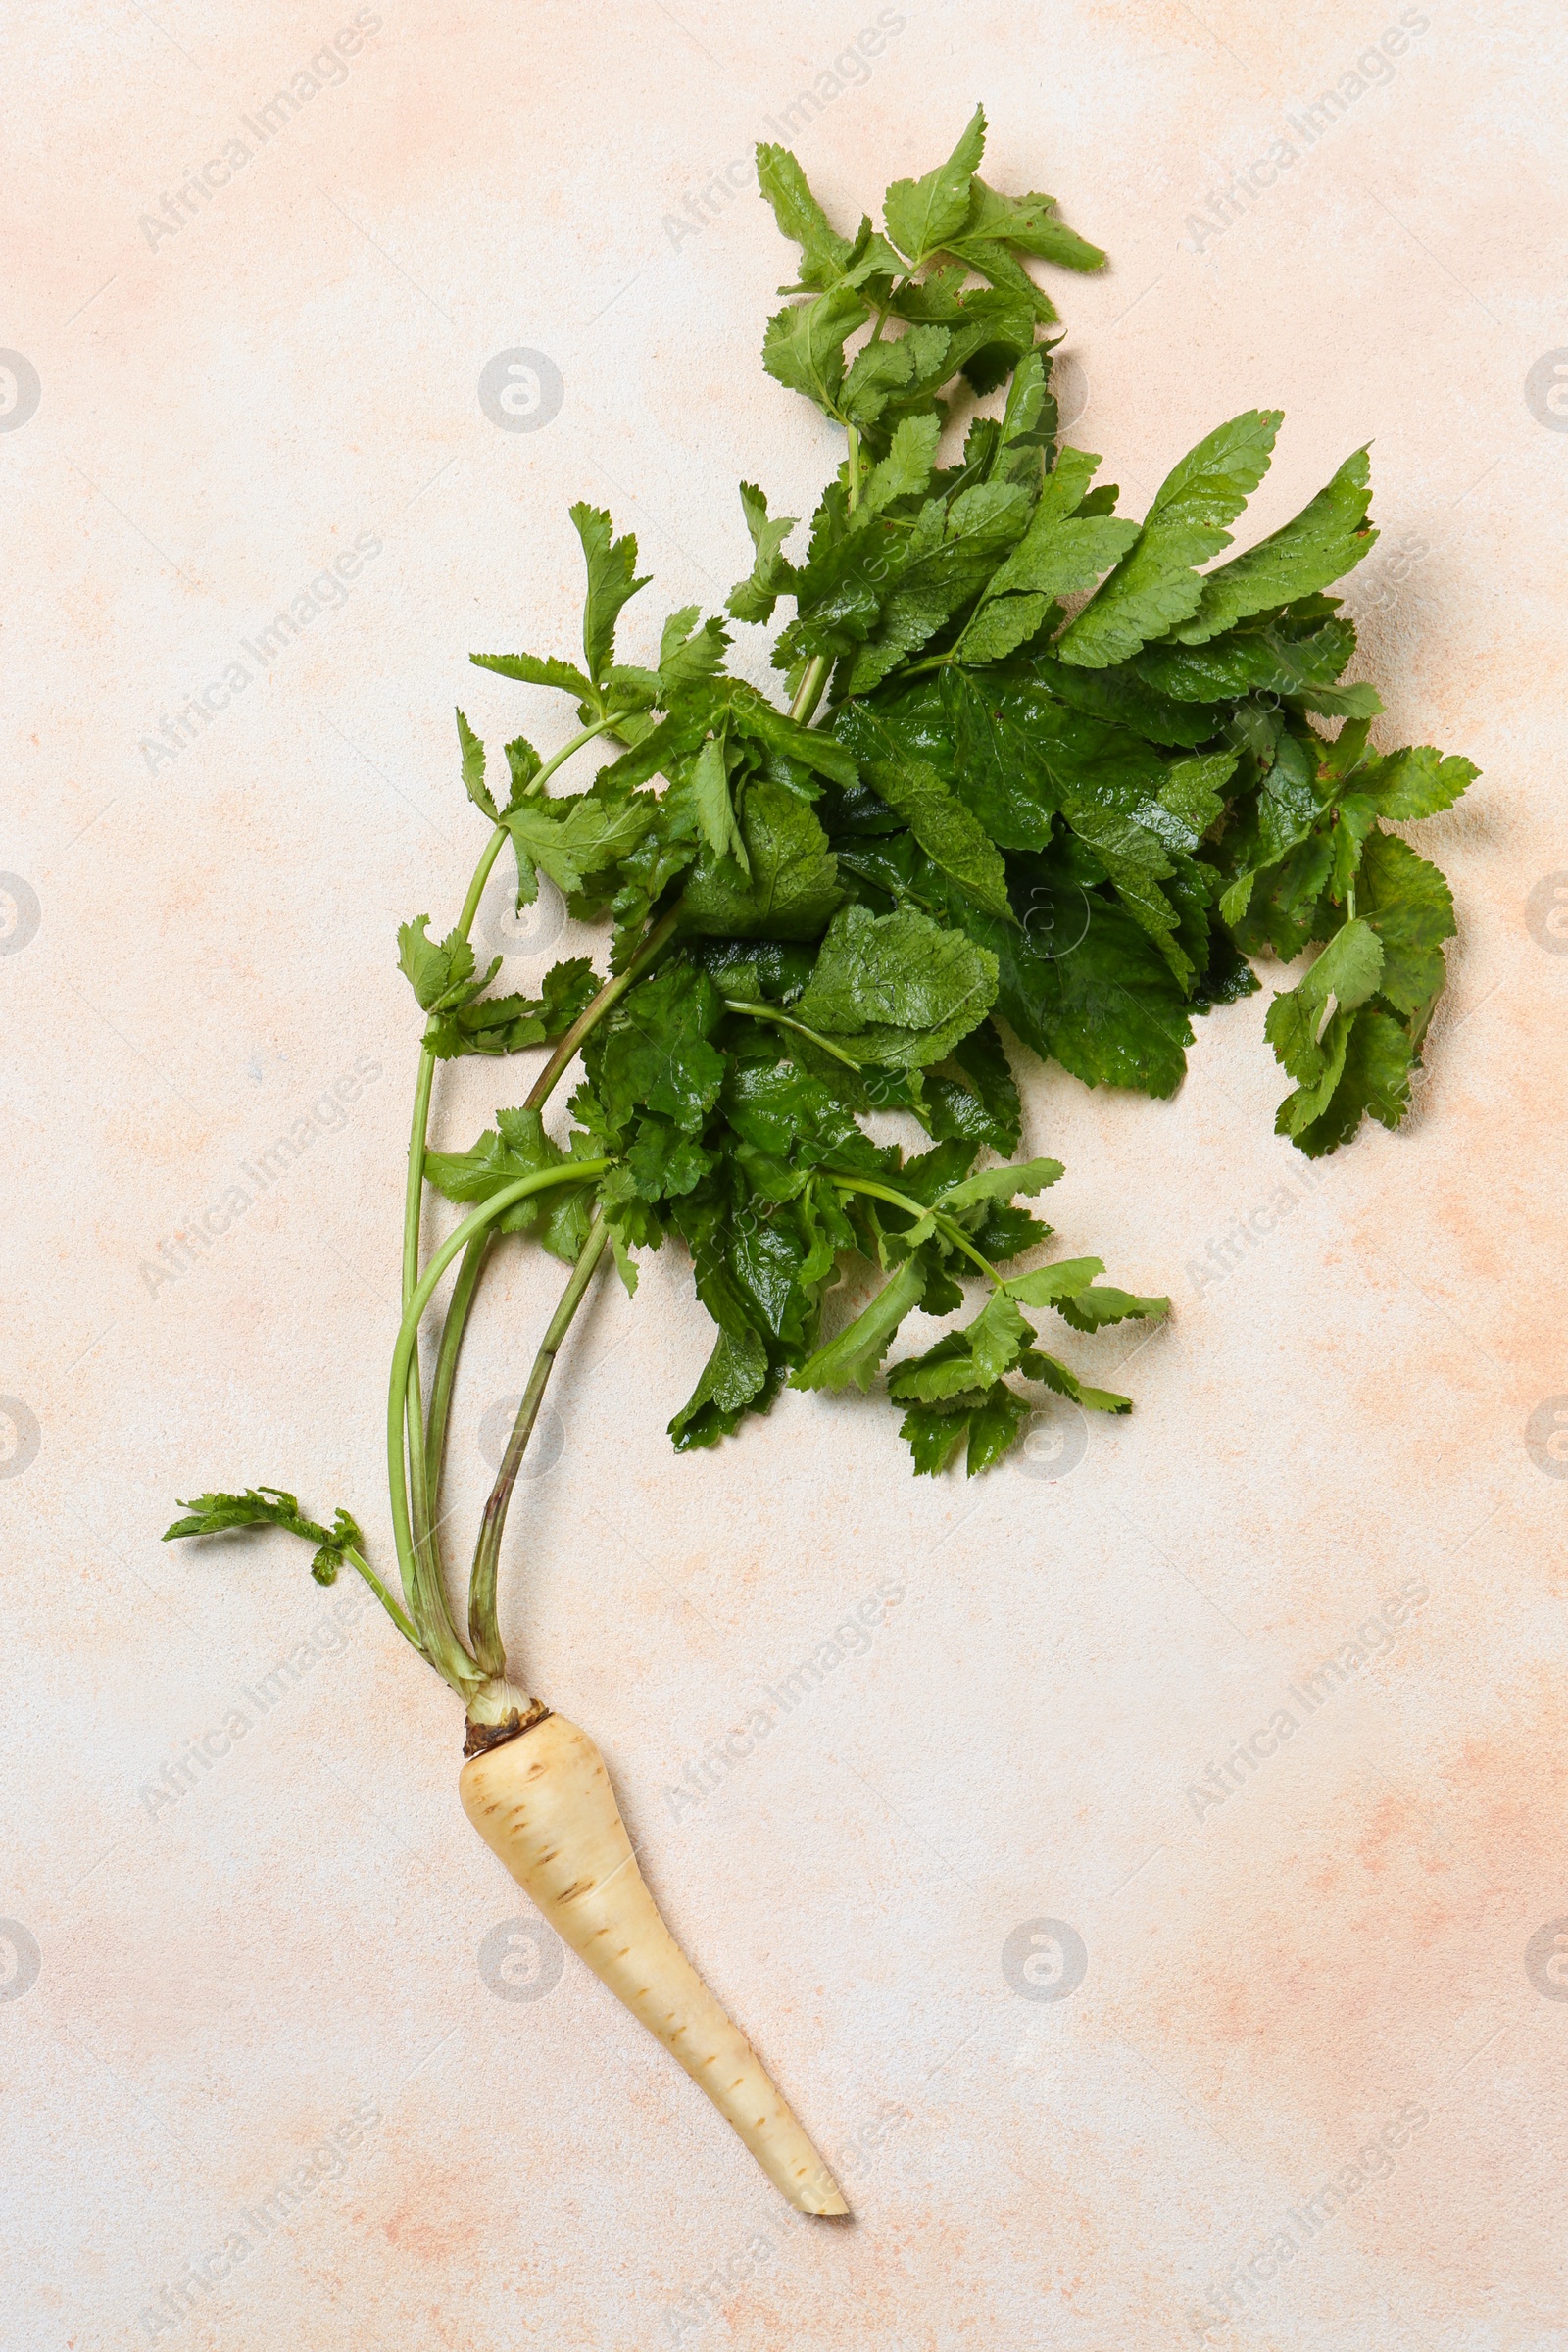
{"x": 290, "y": 1948}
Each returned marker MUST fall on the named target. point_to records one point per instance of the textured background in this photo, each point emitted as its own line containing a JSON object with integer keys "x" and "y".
{"x": 282, "y": 1958}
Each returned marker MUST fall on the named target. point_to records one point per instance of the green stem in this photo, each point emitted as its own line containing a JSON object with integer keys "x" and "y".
{"x": 917, "y": 1208}
{"x": 446, "y": 1367}
{"x": 854, "y": 432}
{"x": 485, "y": 1632}
{"x": 808, "y": 693}
{"x": 481, "y": 872}
{"x": 592, "y": 1014}
{"x": 440, "y": 1642}
{"x": 424, "y": 1477}
{"x": 768, "y": 1012}
{"x": 936, "y": 661}
{"x": 421, "y": 1094}
{"x": 412, "y": 1203}
{"x": 414, "y": 1190}
{"x": 402, "y": 1624}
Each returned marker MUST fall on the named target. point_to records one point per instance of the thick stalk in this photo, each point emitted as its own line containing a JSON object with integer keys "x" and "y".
{"x": 446, "y": 1367}
{"x": 427, "y": 1591}
{"x": 592, "y": 1014}
{"x": 808, "y": 693}
{"x": 441, "y": 1644}
{"x": 421, "y": 1096}
{"x": 484, "y": 1633}
{"x": 426, "y": 1568}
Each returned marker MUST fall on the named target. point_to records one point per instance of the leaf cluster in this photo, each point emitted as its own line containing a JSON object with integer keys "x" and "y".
{"x": 1074, "y": 773}
{"x": 1080, "y": 739}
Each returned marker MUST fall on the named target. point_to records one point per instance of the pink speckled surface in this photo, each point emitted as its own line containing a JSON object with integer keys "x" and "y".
{"x": 271, "y": 1981}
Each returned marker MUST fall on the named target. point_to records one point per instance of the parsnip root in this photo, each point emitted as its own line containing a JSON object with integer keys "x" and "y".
{"x": 543, "y": 1802}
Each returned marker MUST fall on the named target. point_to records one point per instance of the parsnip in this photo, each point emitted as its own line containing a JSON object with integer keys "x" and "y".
{"x": 758, "y": 1003}
{"x": 542, "y": 1800}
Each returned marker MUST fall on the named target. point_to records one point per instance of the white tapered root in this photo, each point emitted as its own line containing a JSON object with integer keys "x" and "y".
{"x": 543, "y": 1802}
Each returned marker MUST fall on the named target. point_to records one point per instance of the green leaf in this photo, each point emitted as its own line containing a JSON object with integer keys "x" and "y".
{"x": 992, "y": 1418}
{"x": 734, "y": 1377}
{"x": 1035, "y": 1365}
{"x": 1410, "y": 905}
{"x": 1213, "y": 482}
{"x": 999, "y": 628}
{"x": 771, "y": 573}
{"x": 949, "y": 836}
{"x": 897, "y": 989}
{"x": 912, "y": 366}
{"x": 258, "y": 1506}
{"x": 1048, "y": 1285}
{"x": 1194, "y": 791}
{"x": 858, "y": 1351}
{"x": 995, "y": 1426}
{"x": 1011, "y": 753}
{"x": 474, "y": 782}
{"x": 522, "y": 765}
{"x": 441, "y": 973}
{"x": 952, "y": 552}
{"x": 921, "y": 215}
{"x": 1156, "y": 584}
{"x": 1415, "y": 782}
{"x": 508, "y": 1024}
{"x": 1058, "y": 555}
{"x": 982, "y": 1104}
{"x": 1026, "y": 222}
{"x": 1085, "y": 986}
{"x": 1370, "y": 1072}
{"x": 612, "y": 581}
{"x": 517, "y": 1145}
{"x": 1349, "y": 971}
{"x": 688, "y": 655}
{"x": 1122, "y": 697}
{"x": 1285, "y": 813}
{"x": 933, "y": 1434}
{"x": 707, "y": 789}
{"x": 1101, "y": 1302}
{"x": 1355, "y": 820}
{"x": 1274, "y": 655}
{"x": 971, "y": 1358}
{"x": 271, "y": 1507}
{"x": 1026, "y": 1177}
{"x": 1312, "y": 1096}
{"x": 581, "y": 833}
{"x": 652, "y": 1053}
{"x": 801, "y": 219}
{"x": 751, "y": 716}
{"x": 1326, "y": 540}
{"x": 1136, "y": 861}
{"x": 665, "y": 1164}
{"x": 793, "y": 884}
{"x": 803, "y": 345}
{"x": 906, "y": 471}
{"x": 534, "y": 669}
